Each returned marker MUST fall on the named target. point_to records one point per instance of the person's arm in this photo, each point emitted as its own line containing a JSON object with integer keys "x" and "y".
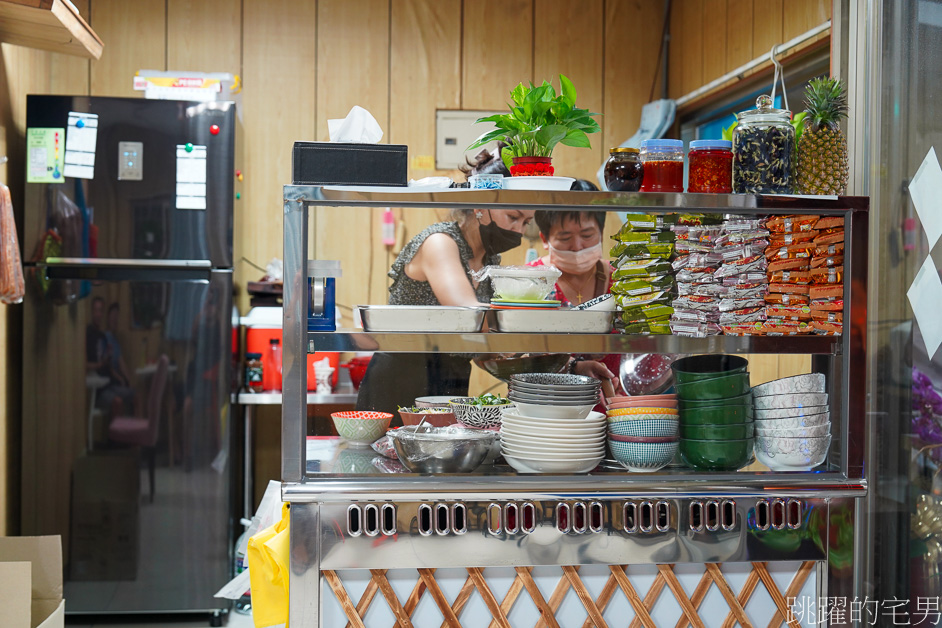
{"x": 438, "y": 262}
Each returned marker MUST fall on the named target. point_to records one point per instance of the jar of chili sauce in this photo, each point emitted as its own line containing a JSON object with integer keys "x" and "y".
{"x": 710, "y": 167}
{"x": 663, "y": 165}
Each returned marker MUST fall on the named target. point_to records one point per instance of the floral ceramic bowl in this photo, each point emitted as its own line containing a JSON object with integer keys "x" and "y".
{"x": 795, "y": 432}
{"x": 643, "y": 457}
{"x": 809, "y": 383}
{"x": 361, "y": 428}
{"x": 792, "y": 454}
{"x": 791, "y": 413}
{"x": 474, "y": 415}
{"x": 645, "y": 427}
{"x": 790, "y": 400}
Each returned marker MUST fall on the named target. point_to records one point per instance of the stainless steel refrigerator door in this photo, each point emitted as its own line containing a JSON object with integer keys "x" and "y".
{"x": 99, "y": 417}
{"x": 117, "y": 216}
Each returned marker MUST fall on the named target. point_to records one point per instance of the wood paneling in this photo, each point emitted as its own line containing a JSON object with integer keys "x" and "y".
{"x": 766, "y": 26}
{"x": 580, "y": 26}
{"x": 800, "y": 16}
{"x": 497, "y": 52}
{"x": 205, "y": 35}
{"x": 136, "y": 33}
{"x": 692, "y": 35}
{"x": 738, "y": 33}
{"x": 278, "y": 53}
{"x": 714, "y": 39}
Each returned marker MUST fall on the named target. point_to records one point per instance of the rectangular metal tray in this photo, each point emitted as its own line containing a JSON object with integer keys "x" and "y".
{"x": 422, "y": 318}
{"x": 553, "y": 321}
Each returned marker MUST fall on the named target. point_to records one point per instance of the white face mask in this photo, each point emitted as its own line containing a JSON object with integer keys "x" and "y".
{"x": 575, "y": 262}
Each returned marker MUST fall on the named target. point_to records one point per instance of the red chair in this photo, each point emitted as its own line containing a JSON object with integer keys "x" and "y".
{"x": 142, "y": 431}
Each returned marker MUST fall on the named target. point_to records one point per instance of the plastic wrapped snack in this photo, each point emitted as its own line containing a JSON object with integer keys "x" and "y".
{"x": 776, "y": 298}
{"x": 12, "y": 285}
{"x": 646, "y": 222}
{"x": 826, "y": 250}
{"x": 643, "y": 285}
{"x": 825, "y": 275}
{"x": 776, "y": 327}
{"x": 696, "y": 316}
{"x": 641, "y": 268}
{"x": 827, "y": 305}
{"x": 825, "y": 316}
{"x": 646, "y": 328}
{"x": 745, "y": 315}
{"x": 793, "y": 251}
{"x": 650, "y": 312}
{"x": 829, "y": 237}
{"x": 694, "y": 330}
{"x": 798, "y": 277}
{"x": 827, "y": 292}
{"x": 791, "y": 224}
{"x": 731, "y": 305}
{"x": 697, "y": 260}
{"x": 787, "y": 239}
{"x": 789, "y": 312}
{"x": 742, "y": 237}
{"x": 829, "y": 222}
{"x": 744, "y": 329}
{"x": 825, "y": 328}
{"x": 644, "y": 250}
{"x": 697, "y": 275}
{"x": 746, "y": 265}
{"x": 789, "y": 264}
{"x": 702, "y": 289}
{"x": 827, "y": 262}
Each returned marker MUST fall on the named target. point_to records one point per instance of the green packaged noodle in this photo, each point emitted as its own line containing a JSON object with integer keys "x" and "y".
{"x": 653, "y": 312}
{"x": 644, "y": 236}
{"x": 643, "y": 285}
{"x": 647, "y": 222}
{"x": 646, "y": 250}
{"x": 629, "y": 303}
{"x": 639, "y": 268}
{"x": 692, "y": 220}
{"x": 647, "y": 328}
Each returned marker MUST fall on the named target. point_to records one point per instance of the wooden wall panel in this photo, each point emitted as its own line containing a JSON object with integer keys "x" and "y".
{"x": 204, "y": 35}
{"x": 136, "y": 39}
{"x": 767, "y": 26}
{"x": 692, "y": 35}
{"x": 714, "y": 41}
{"x": 800, "y": 16}
{"x": 738, "y": 33}
{"x": 580, "y": 26}
{"x": 278, "y": 53}
{"x": 497, "y": 51}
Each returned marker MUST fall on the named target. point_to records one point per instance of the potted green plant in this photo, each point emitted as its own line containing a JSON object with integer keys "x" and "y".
{"x": 539, "y": 119}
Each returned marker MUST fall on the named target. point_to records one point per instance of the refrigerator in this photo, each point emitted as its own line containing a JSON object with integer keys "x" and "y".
{"x": 128, "y": 349}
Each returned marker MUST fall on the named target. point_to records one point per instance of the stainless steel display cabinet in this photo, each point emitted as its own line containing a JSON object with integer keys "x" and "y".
{"x": 344, "y": 518}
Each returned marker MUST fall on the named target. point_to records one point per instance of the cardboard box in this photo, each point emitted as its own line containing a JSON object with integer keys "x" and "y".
{"x": 105, "y": 525}
{"x": 31, "y": 582}
{"x": 341, "y": 163}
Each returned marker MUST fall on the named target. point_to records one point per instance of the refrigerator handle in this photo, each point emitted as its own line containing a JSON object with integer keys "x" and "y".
{"x": 112, "y": 272}
{"x": 98, "y": 262}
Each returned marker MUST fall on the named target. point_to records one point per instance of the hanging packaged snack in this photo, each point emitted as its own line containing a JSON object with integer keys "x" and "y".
{"x": 12, "y": 285}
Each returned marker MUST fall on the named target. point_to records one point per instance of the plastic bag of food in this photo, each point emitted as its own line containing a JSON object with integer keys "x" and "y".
{"x": 830, "y": 222}
{"x": 694, "y": 330}
{"x": 775, "y": 298}
{"x": 787, "y": 239}
{"x": 829, "y": 237}
{"x": 747, "y": 291}
{"x": 646, "y": 328}
{"x": 651, "y": 312}
{"x": 745, "y": 315}
{"x": 789, "y": 312}
{"x": 827, "y": 317}
{"x": 825, "y": 275}
{"x": 384, "y": 447}
{"x": 641, "y": 267}
{"x": 695, "y": 316}
{"x": 644, "y": 250}
{"x": 827, "y": 262}
{"x": 520, "y": 282}
{"x": 742, "y": 251}
{"x": 744, "y": 329}
{"x": 696, "y": 275}
{"x": 744, "y": 225}
{"x": 696, "y": 302}
{"x": 643, "y": 285}
{"x": 798, "y": 277}
{"x": 791, "y": 224}
{"x": 697, "y": 260}
{"x": 12, "y": 286}
{"x": 793, "y": 251}
{"x": 825, "y": 250}
{"x": 778, "y": 327}
{"x": 745, "y": 265}
{"x": 732, "y": 305}
{"x": 702, "y": 289}
{"x": 646, "y": 222}
{"x": 746, "y": 279}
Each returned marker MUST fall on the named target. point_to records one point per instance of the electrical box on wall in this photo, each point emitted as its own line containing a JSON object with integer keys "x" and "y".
{"x": 455, "y": 130}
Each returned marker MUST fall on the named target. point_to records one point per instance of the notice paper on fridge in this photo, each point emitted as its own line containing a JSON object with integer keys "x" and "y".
{"x": 925, "y": 297}
{"x": 81, "y": 139}
{"x": 926, "y": 191}
{"x": 44, "y": 155}
{"x": 191, "y": 177}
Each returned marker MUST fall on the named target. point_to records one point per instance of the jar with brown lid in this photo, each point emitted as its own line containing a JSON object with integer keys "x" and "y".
{"x": 623, "y": 170}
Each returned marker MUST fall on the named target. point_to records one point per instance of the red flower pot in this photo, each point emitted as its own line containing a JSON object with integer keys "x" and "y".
{"x": 532, "y": 167}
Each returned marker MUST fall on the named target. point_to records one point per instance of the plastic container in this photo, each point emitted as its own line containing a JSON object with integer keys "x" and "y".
{"x": 663, "y": 165}
{"x": 264, "y": 323}
{"x": 271, "y": 369}
{"x": 486, "y": 181}
{"x": 254, "y": 372}
{"x": 710, "y": 167}
{"x": 764, "y": 150}
{"x": 624, "y": 170}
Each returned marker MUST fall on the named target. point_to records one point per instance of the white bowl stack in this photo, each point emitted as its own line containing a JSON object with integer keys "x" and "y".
{"x": 554, "y": 395}
{"x": 533, "y": 444}
{"x": 792, "y": 422}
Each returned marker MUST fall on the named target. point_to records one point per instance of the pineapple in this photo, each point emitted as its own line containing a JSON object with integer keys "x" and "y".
{"x": 822, "y": 149}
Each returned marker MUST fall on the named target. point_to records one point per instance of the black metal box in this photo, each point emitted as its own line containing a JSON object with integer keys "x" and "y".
{"x": 338, "y": 163}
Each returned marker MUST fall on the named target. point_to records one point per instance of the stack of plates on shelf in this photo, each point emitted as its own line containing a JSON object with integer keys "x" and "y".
{"x": 554, "y": 395}
{"x": 537, "y": 444}
{"x": 525, "y": 304}
{"x": 642, "y": 431}
{"x": 793, "y": 426}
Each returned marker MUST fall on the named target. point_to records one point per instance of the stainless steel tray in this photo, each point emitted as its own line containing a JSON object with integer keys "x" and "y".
{"x": 554, "y": 321}
{"x": 421, "y": 318}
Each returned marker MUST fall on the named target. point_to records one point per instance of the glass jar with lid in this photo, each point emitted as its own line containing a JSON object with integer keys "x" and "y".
{"x": 710, "y": 167}
{"x": 663, "y": 165}
{"x": 623, "y": 170}
{"x": 764, "y": 150}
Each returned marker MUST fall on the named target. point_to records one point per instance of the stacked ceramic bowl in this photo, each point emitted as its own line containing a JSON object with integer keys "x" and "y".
{"x": 793, "y": 426}
{"x": 539, "y": 444}
{"x": 554, "y": 395}
{"x": 642, "y": 431}
{"x": 716, "y": 418}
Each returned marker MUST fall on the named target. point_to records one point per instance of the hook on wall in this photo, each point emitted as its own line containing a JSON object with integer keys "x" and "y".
{"x": 778, "y": 75}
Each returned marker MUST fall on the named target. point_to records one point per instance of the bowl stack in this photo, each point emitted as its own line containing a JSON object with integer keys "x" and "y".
{"x": 540, "y": 444}
{"x": 642, "y": 431}
{"x": 715, "y": 410}
{"x": 793, "y": 427}
{"x": 554, "y": 395}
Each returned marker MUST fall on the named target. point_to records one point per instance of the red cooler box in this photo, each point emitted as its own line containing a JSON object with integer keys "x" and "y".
{"x": 264, "y": 323}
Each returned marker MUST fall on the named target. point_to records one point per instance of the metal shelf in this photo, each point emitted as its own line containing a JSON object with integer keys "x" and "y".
{"x": 365, "y": 196}
{"x": 275, "y": 399}
{"x": 356, "y": 340}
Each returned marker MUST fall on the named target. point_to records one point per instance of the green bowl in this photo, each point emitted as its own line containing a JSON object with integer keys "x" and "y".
{"x": 716, "y": 415}
{"x": 714, "y": 388}
{"x": 731, "y": 431}
{"x": 696, "y": 367}
{"x": 716, "y": 455}
{"x": 741, "y": 400}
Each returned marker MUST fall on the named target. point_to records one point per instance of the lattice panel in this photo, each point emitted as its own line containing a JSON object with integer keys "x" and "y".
{"x": 664, "y": 589}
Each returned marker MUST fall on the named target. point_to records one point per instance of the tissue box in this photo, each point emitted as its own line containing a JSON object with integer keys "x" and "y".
{"x": 31, "y": 582}
{"x": 338, "y": 163}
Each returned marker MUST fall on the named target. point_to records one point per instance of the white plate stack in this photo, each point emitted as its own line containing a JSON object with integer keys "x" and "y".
{"x": 533, "y": 444}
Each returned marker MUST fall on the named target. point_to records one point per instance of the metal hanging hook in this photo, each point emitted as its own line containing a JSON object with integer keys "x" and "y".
{"x": 778, "y": 75}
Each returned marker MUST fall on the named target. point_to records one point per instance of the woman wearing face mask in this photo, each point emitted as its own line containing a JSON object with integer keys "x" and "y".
{"x": 434, "y": 268}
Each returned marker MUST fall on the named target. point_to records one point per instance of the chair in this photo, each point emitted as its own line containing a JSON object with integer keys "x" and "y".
{"x": 142, "y": 431}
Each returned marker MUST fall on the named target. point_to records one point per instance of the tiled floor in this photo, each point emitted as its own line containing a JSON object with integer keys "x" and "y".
{"x": 235, "y": 621}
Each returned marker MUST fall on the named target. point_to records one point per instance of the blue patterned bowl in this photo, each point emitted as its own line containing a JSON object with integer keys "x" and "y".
{"x": 643, "y": 457}
{"x": 644, "y": 427}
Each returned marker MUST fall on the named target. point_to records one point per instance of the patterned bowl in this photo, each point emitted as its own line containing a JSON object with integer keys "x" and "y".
{"x": 643, "y": 457}
{"x": 809, "y": 420}
{"x": 644, "y": 427}
{"x": 790, "y": 400}
{"x": 794, "y": 432}
{"x": 360, "y": 428}
{"x": 625, "y": 414}
{"x": 641, "y": 439}
{"x": 555, "y": 381}
{"x": 477, "y": 416}
{"x": 642, "y": 403}
{"x": 792, "y": 454}
{"x": 809, "y": 383}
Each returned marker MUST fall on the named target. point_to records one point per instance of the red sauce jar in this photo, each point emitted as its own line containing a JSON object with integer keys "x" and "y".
{"x": 663, "y": 165}
{"x": 711, "y": 167}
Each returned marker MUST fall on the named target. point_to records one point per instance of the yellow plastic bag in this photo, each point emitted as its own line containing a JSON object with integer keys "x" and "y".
{"x": 268, "y": 553}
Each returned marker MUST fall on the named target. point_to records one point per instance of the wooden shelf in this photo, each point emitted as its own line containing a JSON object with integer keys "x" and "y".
{"x": 53, "y": 25}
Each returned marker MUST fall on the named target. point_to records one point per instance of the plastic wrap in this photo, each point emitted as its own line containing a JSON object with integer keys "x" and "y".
{"x": 12, "y": 286}
{"x": 641, "y": 268}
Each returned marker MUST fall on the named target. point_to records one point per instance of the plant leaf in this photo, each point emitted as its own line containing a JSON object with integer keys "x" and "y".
{"x": 506, "y": 155}
{"x": 568, "y": 90}
{"x": 550, "y": 135}
{"x": 576, "y": 138}
{"x": 519, "y": 93}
